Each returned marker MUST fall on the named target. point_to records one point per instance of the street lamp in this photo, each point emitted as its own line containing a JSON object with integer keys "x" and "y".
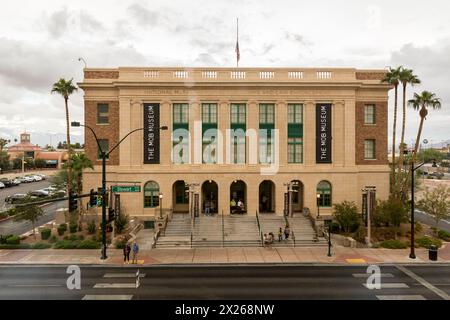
{"x": 160, "y": 205}
{"x": 328, "y": 222}
{"x": 412, "y": 254}
{"x": 318, "y": 205}
{"x": 105, "y": 154}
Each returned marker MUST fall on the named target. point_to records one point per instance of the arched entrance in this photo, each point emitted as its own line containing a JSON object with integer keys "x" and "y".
{"x": 297, "y": 196}
{"x": 210, "y": 197}
{"x": 267, "y": 197}
{"x": 180, "y": 199}
{"x": 238, "y": 197}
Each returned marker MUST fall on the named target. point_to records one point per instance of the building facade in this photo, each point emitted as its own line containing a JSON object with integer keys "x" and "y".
{"x": 237, "y": 137}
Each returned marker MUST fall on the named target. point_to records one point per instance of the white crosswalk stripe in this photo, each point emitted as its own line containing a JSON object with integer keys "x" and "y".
{"x": 390, "y": 285}
{"x": 108, "y": 297}
{"x": 401, "y": 297}
{"x": 366, "y": 275}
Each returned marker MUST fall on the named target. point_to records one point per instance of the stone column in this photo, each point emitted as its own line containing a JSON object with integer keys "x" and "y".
{"x": 195, "y": 136}
{"x": 165, "y": 136}
{"x": 124, "y": 128}
{"x": 309, "y": 133}
{"x": 136, "y": 139}
{"x": 338, "y": 127}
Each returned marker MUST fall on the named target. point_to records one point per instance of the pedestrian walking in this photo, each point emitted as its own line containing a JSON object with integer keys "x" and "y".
{"x": 287, "y": 231}
{"x": 280, "y": 234}
{"x": 135, "y": 252}
{"x": 126, "y": 253}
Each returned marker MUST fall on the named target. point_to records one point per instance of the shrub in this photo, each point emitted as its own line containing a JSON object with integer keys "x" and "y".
{"x": 72, "y": 237}
{"x": 121, "y": 222}
{"x": 393, "y": 244}
{"x": 444, "y": 235}
{"x": 73, "y": 227}
{"x": 13, "y": 240}
{"x": 3, "y": 215}
{"x": 418, "y": 227}
{"x": 335, "y": 227}
{"x": 80, "y": 237}
{"x": 3, "y": 238}
{"x": 61, "y": 230}
{"x": 91, "y": 227}
{"x": 53, "y": 239}
{"x": 63, "y": 226}
{"x": 120, "y": 244}
{"x": 15, "y": 246}
{"x": 80, "y": 227}
{"x": 41, "y": 245}
{"x": 390, "y": 212}
{"x": 46, "y": 233}
{"x": 426, "y": 242}
{"x": 346, "y": 214}
{"x": 87, "y": 244}
{"x": 65, "y": 244}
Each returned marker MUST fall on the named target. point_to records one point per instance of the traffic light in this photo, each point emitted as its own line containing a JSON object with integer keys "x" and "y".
{"x": 73, "y": 202}
{"x": 111, "y": 214}
{"x": 92, "y": 198}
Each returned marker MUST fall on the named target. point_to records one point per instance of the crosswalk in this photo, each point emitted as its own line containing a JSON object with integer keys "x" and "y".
{"x": 388, "y": 286}
{"x": 127, "y": 280}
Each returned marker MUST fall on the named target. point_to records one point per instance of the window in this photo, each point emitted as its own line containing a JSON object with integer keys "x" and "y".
{"x": 209, "y": 113}
{"x": 238, "y": 113}
{"x": 151, "y": 194}
{"x": 180, "y": 134}
{"x": 295, "y": 133}
{"x": 238, "y": 130}
{"x": 180, "y": 113}
{"x": 295, "y": 150}
{"x": 104, "y": 145}
{"x": 266, "y": 113}
{"x": 369, "y": 114}
{"x": 209, "y": 132}
{"x": 295, "y": 113}
{"x": 369, "y": 149}
{"x": 102, "y": 113}
{"x": 324, "y": 192}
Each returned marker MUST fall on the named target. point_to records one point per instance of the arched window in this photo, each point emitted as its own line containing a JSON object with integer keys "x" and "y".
{"x": 151, "y": 194}
{"x": 324, "y": 194}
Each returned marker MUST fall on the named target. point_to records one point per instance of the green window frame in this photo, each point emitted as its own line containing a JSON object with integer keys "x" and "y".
{"x": 104, "y": 145}
{"x": 209, "y": 113}
{"x": 180, "y": 117}
{"x": 102, "y": 113}
{"x": 238, "y": 113}
{"x": 295, "y": 150}
{"x": 369, "y": 149}
{"x": 151, "y": 194}
{"x": 369, "y": 114}
{"x": 324, "y": 192}
{"x": 238, "y": 129}
{"x": 266, "y": 113}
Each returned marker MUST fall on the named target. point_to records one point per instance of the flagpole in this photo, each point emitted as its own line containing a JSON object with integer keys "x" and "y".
{"x": 237, "y": 42}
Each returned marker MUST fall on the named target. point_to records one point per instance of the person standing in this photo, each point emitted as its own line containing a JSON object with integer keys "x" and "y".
{"x": 135, "y": 252}
{"x": 126, "y": 253}
{"x": 280, "y": 234}
{"x": 287, "y": 231}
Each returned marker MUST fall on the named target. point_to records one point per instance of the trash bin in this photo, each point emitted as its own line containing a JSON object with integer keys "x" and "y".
{"x": 432, "y": 253}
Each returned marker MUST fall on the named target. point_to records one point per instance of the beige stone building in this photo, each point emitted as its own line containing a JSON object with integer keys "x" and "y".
{"x": 327, "y": 131}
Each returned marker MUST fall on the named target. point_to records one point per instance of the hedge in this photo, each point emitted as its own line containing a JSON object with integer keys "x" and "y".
{"x": 73, "y": 227}
{"x": 15, "y": 246}
{"x": 444, "y": 235}
{"x": 68, "y": 244}
{"x": 61, "y": 230}
{"x": 13, "y": 240}
{"x": 426, "y": 242}
{"x": 393, "y": 244}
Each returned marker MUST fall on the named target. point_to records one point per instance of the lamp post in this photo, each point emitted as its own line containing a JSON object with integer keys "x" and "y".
{"x": 328, "y": 222}
{"x": 369, "y": 192}
{"x": 104, "y": 155}
{"x": 412, "y": 254}
{"x": 160, "y": 205}
{"x": 318, "y": 205}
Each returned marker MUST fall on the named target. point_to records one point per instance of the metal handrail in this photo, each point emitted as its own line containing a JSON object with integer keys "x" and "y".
{"x": 286, "y": 220}
{"x": 257, "y": 221}
{"x": 155, "y": 238}
{"x": 223, "y": 231}
{"x": 191, "y": 239}
{"x": 262, "y": 238}
{"x": 293, "y": 236}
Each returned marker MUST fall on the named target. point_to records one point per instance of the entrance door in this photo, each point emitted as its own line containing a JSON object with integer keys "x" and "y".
{"x": 180, "y": 201}
{"x": 238, "y": 197}
{"x": 210, "y": 197}
{"x": 297, "y": 196}
{"x": 267, "y": 197}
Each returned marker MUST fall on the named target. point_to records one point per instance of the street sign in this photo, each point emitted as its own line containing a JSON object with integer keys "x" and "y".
{"x": 125, "y": 189}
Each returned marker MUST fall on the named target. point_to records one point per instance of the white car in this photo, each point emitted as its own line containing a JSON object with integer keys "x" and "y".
{"x": 28, "y": 179}
{"x": 2, "y": 185}
{"x": 17, "y": 181}
{"x": 36, "y": 178}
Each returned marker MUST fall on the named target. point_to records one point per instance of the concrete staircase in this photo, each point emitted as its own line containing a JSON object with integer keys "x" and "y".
{"x": 177, "y": 234}
{"x": 272, "y": 223}
{"x": 305, "y": 235}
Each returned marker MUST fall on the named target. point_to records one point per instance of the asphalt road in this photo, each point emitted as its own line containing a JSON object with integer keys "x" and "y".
{"x": 423, "y": 217}
{"x": 274, "y": 282}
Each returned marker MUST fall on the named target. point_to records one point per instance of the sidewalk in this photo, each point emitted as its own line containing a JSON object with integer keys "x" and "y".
{"x": 340, "y": 255}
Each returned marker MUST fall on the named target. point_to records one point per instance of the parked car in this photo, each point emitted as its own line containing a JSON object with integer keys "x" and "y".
{"x": 37, "y": 177}
{"x": 15, "y": 198}
{"x": 16, "y": 181}
{"x": 44, "y": 177}
{"x": 6, "y": 182}
{"x": 2, "y": 186}
{"x": 436, "y": 175}
{"x": 28, "y": 179}
{"x": 39, "y": 193}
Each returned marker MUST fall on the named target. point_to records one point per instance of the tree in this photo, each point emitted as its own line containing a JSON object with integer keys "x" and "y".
{"x": 392, "y": 77}
{"x": 346, "y": 214}
{"x": 427, "y": 155}
{"x": 29, "y": 213}
{"x": 406, "y": 76}
{"x": 65, "y": 89}
{"x": 390, "y": 212}
{"x": 5, "y": 164}
{"x": 3, "y": 143}
{"x": 422, "y": 102}
{"x": 121, "y": 222}
{"x": 79, "y": 162}
{"x": 436, "y": 203}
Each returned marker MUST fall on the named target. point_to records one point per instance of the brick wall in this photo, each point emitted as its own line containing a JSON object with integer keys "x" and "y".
{"x": 109, "y": 131}
{"x": 101, "y": 74}
{"x": 370, "y": 75}
{"x": 377, "y": 131}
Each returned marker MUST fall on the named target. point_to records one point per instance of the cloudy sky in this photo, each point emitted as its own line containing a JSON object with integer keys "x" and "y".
{"x": 40, "y": 41}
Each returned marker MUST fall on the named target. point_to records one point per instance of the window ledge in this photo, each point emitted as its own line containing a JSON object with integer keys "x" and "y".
{"x": 102, "y": 124}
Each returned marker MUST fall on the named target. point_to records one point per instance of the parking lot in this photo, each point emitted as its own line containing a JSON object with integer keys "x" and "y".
{"x": 22, "y": 188}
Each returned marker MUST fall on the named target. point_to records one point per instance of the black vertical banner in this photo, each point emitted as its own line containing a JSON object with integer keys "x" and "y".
{"x": 323, "y": 133}
{"x": 151, "y": 133}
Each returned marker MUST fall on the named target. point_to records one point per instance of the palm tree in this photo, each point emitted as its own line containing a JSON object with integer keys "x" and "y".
{"x": 79, "y": 163}
{"x": 65, "y": 89}
{"x": 392, "y": 77}
{"x": 406, "y": 76}
{"x": 422, "y": 102}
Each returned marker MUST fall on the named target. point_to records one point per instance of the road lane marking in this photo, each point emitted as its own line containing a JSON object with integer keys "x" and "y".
{"x": 35, "y": 285}
{"x": 115, "y": 286}
{"x": 107, "y": 297}
{"x": 425, "y": 283}
{"x": 390, "y": 285}
{"x": 122, "y": 275}
{"x": 401, "y": 297}
{"x": 366, "y": 275}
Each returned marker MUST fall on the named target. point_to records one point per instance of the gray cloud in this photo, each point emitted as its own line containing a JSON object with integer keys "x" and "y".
{"x": 88, "y": 23}
{"x": 144, "y": 16}
{"x": 57, "y": 22}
